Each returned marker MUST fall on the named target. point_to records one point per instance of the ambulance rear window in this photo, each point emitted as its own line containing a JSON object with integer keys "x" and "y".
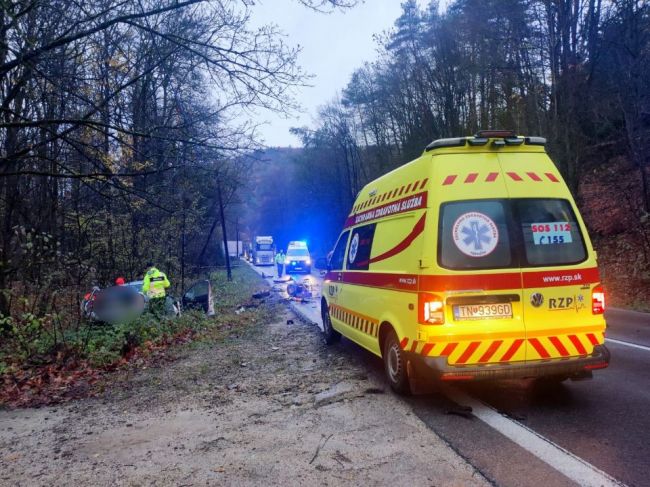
{"x": 550, "y": 231}
{"x": 474, "y": 235}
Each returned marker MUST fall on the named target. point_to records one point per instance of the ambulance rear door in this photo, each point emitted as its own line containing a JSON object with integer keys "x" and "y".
{"x": 481, "y": 278}
{"x": 559, "y": 270}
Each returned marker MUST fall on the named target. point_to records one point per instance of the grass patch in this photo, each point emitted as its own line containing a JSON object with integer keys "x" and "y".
{"x": 29, "y": 352}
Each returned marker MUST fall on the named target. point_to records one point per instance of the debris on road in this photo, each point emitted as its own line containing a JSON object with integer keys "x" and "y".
{"x": 336, "y": 393}
{"x": 243, "y": 413}
{"x": 261, "y": 295}
{"x": 321, "y": 444}
{"x": 282, "y": 280}
{"x": 462, "y": 411}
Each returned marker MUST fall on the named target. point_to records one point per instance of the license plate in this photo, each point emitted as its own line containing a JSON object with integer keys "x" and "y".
{"x": 482, "y": 311}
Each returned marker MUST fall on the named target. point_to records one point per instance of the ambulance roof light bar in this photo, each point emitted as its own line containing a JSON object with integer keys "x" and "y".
{"x": 440, "y": 143}
{"x": 535, "y": 141}
{"x": 500, "y": 138}
{"x": 496, "y": 134}
{"x": 477, "y": 141}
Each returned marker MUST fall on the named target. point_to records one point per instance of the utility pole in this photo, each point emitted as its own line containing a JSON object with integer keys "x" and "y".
{"x": 237, "y": 237}
{"x": 183, "y": 242}
{"x": 223, "y": 231}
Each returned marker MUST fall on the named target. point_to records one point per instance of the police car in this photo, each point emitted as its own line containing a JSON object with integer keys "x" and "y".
{"x": 470, "y": 262}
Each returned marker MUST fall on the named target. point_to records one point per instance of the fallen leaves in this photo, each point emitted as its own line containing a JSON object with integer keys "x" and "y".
{"x": 69, "y": 379}
{"x": 49, "y": 384}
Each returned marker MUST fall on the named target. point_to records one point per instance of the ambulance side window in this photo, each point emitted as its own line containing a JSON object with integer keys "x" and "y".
{"x": 360, "y": 247}
{"x": 338, "y": 255}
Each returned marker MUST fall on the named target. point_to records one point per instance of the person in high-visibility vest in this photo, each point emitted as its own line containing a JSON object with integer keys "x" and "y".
{"x": 279, "y": 261}
{"x": 153, "y": 285}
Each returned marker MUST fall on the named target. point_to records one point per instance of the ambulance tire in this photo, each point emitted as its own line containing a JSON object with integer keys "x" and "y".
{"x": 331, "y": 335}
{"x": 395, "y": 365}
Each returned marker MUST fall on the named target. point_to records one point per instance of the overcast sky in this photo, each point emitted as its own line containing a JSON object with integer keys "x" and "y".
{"x": 333, "y": 46}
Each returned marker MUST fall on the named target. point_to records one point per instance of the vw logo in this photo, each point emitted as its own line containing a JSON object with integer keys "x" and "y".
{"x": 536, "y": 300}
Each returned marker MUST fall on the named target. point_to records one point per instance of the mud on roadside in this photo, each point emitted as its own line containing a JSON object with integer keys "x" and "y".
{"x": 269, "y": 405}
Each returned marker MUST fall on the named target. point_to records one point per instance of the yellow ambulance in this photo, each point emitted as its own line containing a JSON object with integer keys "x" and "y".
{"x": 470, "y": 262}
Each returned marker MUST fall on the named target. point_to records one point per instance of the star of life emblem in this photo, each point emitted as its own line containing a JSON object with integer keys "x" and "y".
{"x": 475, "y": 234}
{"x": 354, "y": 246}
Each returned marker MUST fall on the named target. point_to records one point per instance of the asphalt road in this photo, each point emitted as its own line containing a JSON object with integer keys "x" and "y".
{"x": 604, "y": 421}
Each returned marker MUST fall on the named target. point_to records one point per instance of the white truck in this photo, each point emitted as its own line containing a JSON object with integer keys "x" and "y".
{"x": 263, "y": 252}
{"x": 235, "y": 248}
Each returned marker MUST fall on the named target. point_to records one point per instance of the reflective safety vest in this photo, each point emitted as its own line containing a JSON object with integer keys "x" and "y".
{"x": 154, "y": 283}
{"x": 279, "y": 258}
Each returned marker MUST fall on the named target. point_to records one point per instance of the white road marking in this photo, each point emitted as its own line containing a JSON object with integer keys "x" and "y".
{"x": 565, "y": 462}
{"x": 628, "y": 344}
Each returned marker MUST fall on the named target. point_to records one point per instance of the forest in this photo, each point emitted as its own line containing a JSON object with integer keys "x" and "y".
{"x": 125, "y": 135}
{"x": 576, "y": 72}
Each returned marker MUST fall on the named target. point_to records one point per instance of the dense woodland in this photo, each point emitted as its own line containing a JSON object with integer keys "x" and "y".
{"x": 125, "y": 135}
{"x": 574, "y": 71}
{"x": 122, "y": 127}
{"x": 123, "y": 124}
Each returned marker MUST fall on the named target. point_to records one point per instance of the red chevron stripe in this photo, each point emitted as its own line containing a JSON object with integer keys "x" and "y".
{"x": 426, "y": 349}
{"x": 471, "y": 177}
{"x": 539, "y": 347}
{"x": 578, "y": 344}
{"x": 491, "y": 177}
{"x": 403, "y": 343}
{"x": 468, "y": 352}
{"x": 512, "y": 350}
{"x": 558, "y": 345}
{"x": 414, "y": 346}
{"x": 514, "y": 176}
{"x": 449, "y": 180}
{"x": 449, "y": 349}
{"x": 551, "y": 177}
{"x": 490, "y": 351}
{"x": 592, "y": 339}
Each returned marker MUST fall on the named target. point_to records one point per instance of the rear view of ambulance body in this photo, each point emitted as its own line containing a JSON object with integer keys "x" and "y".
{"x": 472, "y": 261}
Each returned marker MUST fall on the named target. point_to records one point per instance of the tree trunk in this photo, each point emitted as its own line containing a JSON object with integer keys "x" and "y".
{"x": 223, "y": 232}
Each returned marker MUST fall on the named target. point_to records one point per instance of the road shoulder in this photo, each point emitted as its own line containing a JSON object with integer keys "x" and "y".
{"x": 270, "y": 405}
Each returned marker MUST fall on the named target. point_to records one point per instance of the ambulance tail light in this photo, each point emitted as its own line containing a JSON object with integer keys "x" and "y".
{"x": 431, "y": 309}
{"x": 598, "y": 300}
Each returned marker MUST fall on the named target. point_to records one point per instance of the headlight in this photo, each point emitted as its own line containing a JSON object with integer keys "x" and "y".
{"x": 287, "y": 262}
{"x": 308, "y": 261}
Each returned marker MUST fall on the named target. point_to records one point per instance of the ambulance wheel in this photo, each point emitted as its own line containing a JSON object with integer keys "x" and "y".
{"x": 331, "y": 335}
{"x": 395, "y": 365}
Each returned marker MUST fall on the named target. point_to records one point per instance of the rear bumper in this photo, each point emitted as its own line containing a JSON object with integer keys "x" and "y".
{"x": 576, "y": 367}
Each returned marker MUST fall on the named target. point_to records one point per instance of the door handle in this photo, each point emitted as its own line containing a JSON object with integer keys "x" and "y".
{"x": 340, "y": 276}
